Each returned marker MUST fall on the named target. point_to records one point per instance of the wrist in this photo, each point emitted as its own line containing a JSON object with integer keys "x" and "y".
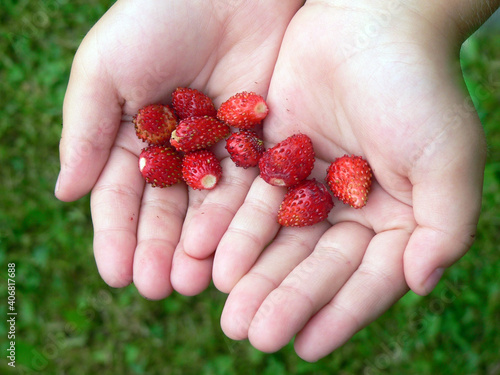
{"x": 468, "y": 15}
{"x": 455, "y": 20}
{"x": 459, "y": 18}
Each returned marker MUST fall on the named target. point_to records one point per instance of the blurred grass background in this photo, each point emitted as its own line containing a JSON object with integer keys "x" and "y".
{"x": 70, "y": 322}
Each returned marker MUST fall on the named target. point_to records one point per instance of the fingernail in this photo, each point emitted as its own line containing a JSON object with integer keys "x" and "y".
{"x": 433, "y": 279}
{"x": 56, "y": 189}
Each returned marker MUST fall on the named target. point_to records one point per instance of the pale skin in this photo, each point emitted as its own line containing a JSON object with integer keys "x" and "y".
{"x": 137, "y": 54}
{"x": 374, "y": 79}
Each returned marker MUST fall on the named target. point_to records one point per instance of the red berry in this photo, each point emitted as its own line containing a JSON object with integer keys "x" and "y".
{"x": 189, "y": 102}
{"x": 244, "y": 110}
{"x": 350, "y": 179}
{"x": 155, "y": 123}
{"x": 305, "y": 204}
{"x": 245, "y": 148}
{"x": 201, "y": 170}
{"x": 160, "y": 166}
{"x": 289, "y": 162}
{"x": 195, "y": 133}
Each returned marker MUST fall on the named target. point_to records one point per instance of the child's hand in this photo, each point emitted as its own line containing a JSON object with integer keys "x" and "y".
{"x": 137, "y": 54}
{"x": 386, "y": 89}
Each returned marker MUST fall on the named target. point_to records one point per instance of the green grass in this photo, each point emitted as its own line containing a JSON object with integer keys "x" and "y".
{"x": 70, "y": 322}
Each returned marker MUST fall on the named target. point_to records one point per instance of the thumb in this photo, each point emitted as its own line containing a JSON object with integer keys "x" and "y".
{"x": 91, "y": 118}
{"x": 447, "y": 184}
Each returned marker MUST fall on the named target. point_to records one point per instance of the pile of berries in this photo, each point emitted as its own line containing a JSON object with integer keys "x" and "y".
{"x": 180, "y": 136}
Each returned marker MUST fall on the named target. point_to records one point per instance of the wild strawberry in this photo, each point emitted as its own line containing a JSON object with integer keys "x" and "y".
{"x": 160, "y": 165}
{"x": 195, "y": 133}
{"x": 201, "y": 170}
{"x": 244, "y": 110}
{"x": 289, "y": 162}
{"x": 245, "y": 148}
{"x": 305, "y": 204}
{"x": 350, "y": 179}
{"x": 189, "y": 102}
{"x": 155, "y": 123}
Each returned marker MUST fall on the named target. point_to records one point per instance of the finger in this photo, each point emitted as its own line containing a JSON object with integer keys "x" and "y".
{"x": 309, "y": 286}
{"x": 373, "y": 288}
{"x": 160, "y": 222}
{"x": 253, "y": 227}
{"x": 91, "y": 118}
{"x": 115, "y": 202}
{"x": 290, "y": 248}
{"x": 190, "y": 276}
{"x": 447, "y": 201}
{"x": 209, "y": 216}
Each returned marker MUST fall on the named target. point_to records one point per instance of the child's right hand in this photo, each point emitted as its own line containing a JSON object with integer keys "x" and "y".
{"x": 386, "y": 89}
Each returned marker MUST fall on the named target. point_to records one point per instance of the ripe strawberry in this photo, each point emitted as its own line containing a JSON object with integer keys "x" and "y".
{"x": 155, "y": 123}
{"x": 160, "y": 165}
{"x": 245, "y": 148}
{"x": 201, "y": 170}
{"x": 305, "y": 204}
{"x": 350, "y": 179}
{"x": 289, "y": 162}
{"x": 244, "y": 110}
{"x": 189, "y": 102}
{"x": 195, "y": 133}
